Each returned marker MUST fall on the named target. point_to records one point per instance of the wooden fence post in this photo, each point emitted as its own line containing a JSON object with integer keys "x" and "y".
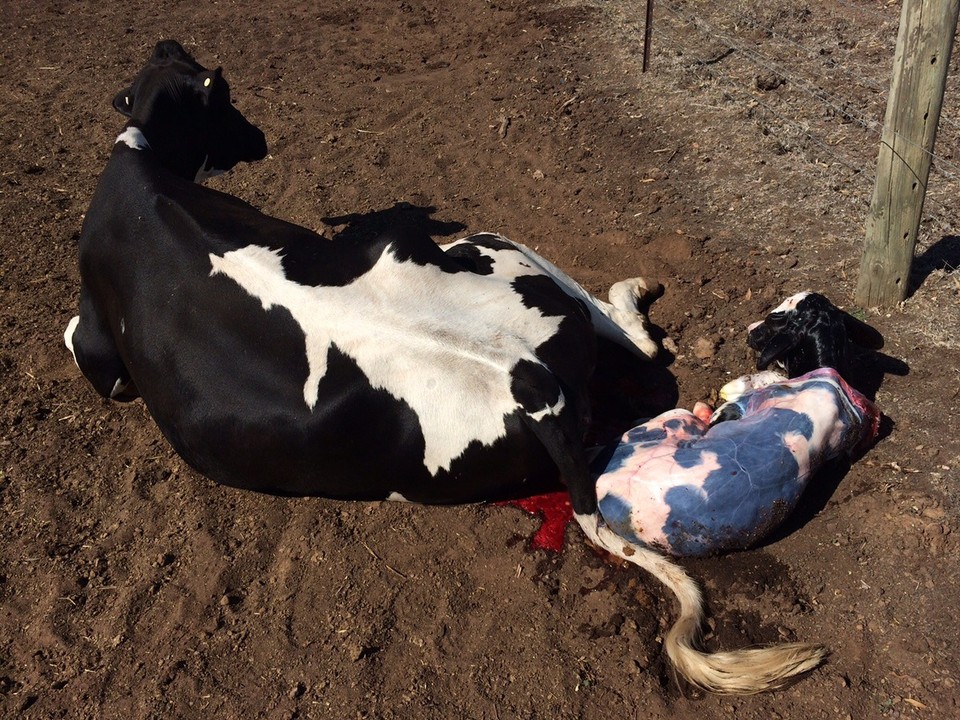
{"x": 920, "y": 68}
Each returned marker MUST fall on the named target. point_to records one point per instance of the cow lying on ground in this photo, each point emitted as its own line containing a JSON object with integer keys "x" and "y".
{"x": 268, "y": 356}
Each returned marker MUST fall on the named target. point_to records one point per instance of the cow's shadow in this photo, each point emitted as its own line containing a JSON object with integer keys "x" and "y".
{"x": 625, "y": 391}
{"x": 866, "y": 370}
{"x": 866, "y": 367}
{"x": 402, "y": 218}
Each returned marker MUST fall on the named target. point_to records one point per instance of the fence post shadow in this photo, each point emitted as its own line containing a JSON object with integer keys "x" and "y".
{"x": 942, "y": 255}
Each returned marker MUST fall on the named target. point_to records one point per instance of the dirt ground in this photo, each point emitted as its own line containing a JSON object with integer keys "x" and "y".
{"x": 131, "y": 587}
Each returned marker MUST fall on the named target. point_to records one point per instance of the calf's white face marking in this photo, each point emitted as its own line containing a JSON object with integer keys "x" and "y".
{"x": 444, "y": 343}
{"x": 790, "y": 303}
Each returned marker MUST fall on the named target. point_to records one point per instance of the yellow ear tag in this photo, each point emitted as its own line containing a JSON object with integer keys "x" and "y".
{"x": 206, "y": 83}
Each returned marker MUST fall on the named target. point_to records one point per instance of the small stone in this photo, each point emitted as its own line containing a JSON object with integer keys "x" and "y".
{"x": 538, "y": 175}
{"x": 770, "y": 81}
{"x": 705, "y": 348}
{"x": 297, "y": 691}
{"x": 769, "y": 293}
{"x": 670, "y": 345}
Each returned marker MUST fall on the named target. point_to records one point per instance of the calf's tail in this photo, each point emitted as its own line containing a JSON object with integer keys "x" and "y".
{"x": 735, "y": 672}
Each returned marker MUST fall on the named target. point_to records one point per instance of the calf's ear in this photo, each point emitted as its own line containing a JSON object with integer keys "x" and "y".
{"x": 861, "y": 333}
{"x": 123, "y": 102}
{"x": 776, "y": 348}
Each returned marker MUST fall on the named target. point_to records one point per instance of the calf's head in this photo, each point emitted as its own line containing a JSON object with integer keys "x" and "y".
{"x": 803, "y": 333}
{"x": 185, "y": 115}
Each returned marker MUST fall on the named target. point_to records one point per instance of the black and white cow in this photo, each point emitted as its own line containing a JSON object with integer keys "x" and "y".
{"x": 276, "y": 360}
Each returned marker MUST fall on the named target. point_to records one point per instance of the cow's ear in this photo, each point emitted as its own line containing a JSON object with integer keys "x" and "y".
{"x": 167, "y": 50}
{"x": 778, "y": 346}
{"x": 123, "y": 102}
{"x": 209, "y": 81}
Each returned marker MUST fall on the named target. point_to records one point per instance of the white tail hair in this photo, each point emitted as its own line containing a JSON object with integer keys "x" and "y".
{"x": 735, "y": 672}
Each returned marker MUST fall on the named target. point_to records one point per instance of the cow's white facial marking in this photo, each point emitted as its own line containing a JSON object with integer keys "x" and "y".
{"x": 444, "y": 343}
{"x": 118, "y": 387}
{"x": 68, "y": 336}
{"x": 133, "y": 138}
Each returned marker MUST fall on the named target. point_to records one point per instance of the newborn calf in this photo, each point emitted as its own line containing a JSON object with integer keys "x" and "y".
{"x": 690, "y": 489}
{"x": 701, "y": 483}
{"x": 690, "y": 484}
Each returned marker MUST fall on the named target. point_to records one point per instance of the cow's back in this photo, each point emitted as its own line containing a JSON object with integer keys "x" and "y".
{"x": 299, "y": 364}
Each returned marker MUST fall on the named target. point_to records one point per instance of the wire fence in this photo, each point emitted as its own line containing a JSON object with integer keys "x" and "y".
{"x": 842, "y": 82}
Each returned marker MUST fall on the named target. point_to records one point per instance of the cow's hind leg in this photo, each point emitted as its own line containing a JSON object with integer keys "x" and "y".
{"x": 622, "y": 320}
{"x": 629, "y": 300}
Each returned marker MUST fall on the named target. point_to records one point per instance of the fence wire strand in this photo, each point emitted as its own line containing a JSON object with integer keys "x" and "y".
{"x": 843, "y": 109}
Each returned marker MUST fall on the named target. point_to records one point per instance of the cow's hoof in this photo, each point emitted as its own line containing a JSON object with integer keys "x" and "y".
{"x": 635, "y": 294}
{"x": 631, "y": 299}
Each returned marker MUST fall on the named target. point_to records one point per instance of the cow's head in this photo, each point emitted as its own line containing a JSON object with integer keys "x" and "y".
{"x": 185, "y": 115}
